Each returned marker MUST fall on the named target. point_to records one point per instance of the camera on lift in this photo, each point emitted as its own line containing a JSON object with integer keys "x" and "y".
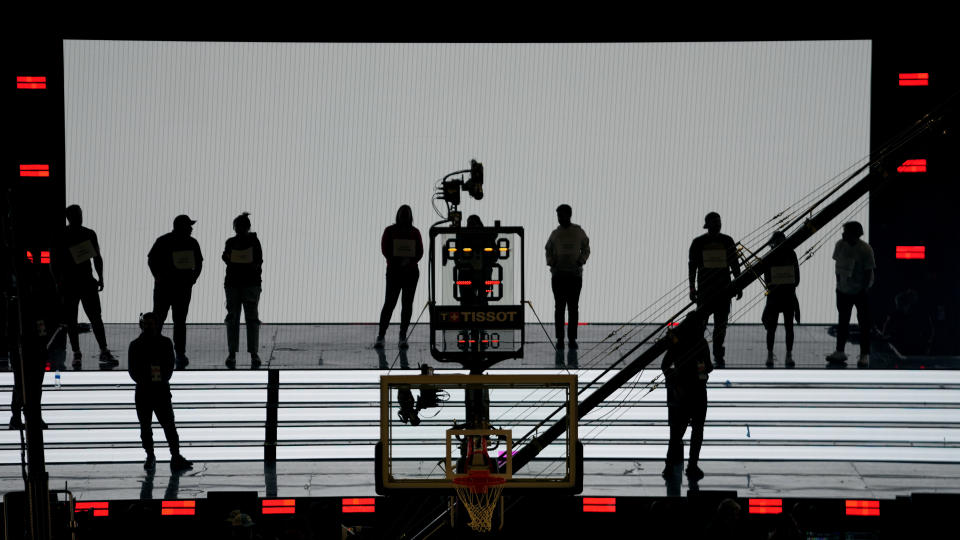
{"x": 429, "y": 397}
{"x": 450, "y": 189}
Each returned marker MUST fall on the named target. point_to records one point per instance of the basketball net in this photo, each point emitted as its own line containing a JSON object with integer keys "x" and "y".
{"x": 478, "y": 490}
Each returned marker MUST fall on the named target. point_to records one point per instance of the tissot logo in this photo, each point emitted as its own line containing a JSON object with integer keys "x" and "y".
{"x": 478, "y": 316}
{"x": 486, "y": 317}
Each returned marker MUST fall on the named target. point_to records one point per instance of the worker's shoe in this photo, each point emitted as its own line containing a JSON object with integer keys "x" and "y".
{"x": 179, "y": 463}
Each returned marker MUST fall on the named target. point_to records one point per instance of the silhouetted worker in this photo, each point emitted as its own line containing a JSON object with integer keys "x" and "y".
{"x": 402, "y": 247}
{"x": 77, "y": 248}
{"x": 244, "y": 258}
{"x": 712, "y": 262}
{"x": 175, "y": 261}
{"x": 567, "y": 251}
{"x": 42, "y": 339}
{"x": 151, "y": 362}
{"x": 782, "y": 278}
{"x": 686, "y": 367}
{"x": 854, "y": 267}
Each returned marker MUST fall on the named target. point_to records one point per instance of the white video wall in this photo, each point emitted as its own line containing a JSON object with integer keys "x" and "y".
{"x": 322, "y": 142}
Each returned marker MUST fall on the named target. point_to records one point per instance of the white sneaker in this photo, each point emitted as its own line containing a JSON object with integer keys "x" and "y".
{"x": 837, "y": 356}
{"x": 864, "y": 361}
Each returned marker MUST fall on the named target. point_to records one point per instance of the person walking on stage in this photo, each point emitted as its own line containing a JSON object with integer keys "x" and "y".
{"x": 782, "y": 278}
{"x": 78, "y": 247}
{"x": 567, "y": 250}
{"x": 713, "y": 264}
{"x": 244, "y": 259}
{"x": 402, "y": 247}
{"x": 686, "y": 367}
{"x": 855, "y": 266}
{"x": 176, "y": 262}
{"x": 151, "y": 361}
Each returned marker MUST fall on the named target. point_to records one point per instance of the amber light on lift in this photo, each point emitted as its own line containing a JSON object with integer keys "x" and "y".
{"x": 359, "y": 506}
{"x": 863, "y": 508}
{"x": 279, "y": 506}
{"x": 99, "y": 508}
{"x": 178, "y": 508}
{"x": 600, "y": 504}
{"x": 914, "y": 79}
{"x": 766, "y": 506}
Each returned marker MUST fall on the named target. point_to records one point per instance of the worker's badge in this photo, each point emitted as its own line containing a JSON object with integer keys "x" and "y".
{"x": 714, "y": 258}
{"x": 404, "y": 248}
{"x": 156, "y": 374}
{"x": 83, "y": 252}
{"x": 241, "y": 256}
{"x": 184, "y": 260}
{"x": 783, "y": 275}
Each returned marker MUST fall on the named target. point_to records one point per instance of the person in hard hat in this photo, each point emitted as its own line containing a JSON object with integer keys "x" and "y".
{"x": 782, "y": 278}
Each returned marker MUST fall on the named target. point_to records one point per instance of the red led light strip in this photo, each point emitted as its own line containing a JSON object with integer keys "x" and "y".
{"x": 766, "y": 506}
{"x": 464, "y": 282}
{"x": 31, "y": 83}
{"x": 99, "y": 508}
{"x": 911, "y": 252}
{"x": 600, "y": 504}
{"x": 178, "y": 508}
{"x": 913, "y": 166}
{"x": 863, "y": 508}
{"x": 279, "y": 506}
{"x": 34, "y": 170}
{"x": 359, "y": 506}
{"x": 914, "y": 79}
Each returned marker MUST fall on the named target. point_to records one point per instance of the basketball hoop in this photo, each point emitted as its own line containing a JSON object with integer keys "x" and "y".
{"x": 479, "y": 492}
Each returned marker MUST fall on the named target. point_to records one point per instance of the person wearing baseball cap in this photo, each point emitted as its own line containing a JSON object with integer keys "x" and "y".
{"x": 855, "y": 264}
{"x": 713, "y": 264}
{"x": 175, "y": 262}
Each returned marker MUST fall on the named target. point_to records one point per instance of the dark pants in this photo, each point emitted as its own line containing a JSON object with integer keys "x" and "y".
{"x": 566, "y": 296}
{"x": 49, "y": 348}
{"x": 845, "y": 305}
{"x": 177, "y": 299}
{"x": 149, "y": 403}
{"x": 246, "y": 298}
{"x": 686, "y": 405}
{"x": 398, "y": 282}
{"x": 771, "y": 312}
{"x": 720, "y": 309}
{"x": 86, "y": 294}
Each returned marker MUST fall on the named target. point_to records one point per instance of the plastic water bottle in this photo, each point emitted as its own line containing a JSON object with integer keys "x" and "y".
{"x": 56, "y": 379}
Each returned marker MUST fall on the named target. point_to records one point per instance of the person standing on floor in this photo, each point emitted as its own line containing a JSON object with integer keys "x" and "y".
{"x": 855, "y": 266}
{"x": 713, "y": 264}
{"x": 77, "y": 248}
{"x": 176, "y": 262}
{"x": 243, "y": 256}
{"x": 686, "y": 367}
{"x": 567, "y": 250}
{"x": 150, "y": 364}
{"x": 782, "y": 278}
{"x": 402, "y": 247}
